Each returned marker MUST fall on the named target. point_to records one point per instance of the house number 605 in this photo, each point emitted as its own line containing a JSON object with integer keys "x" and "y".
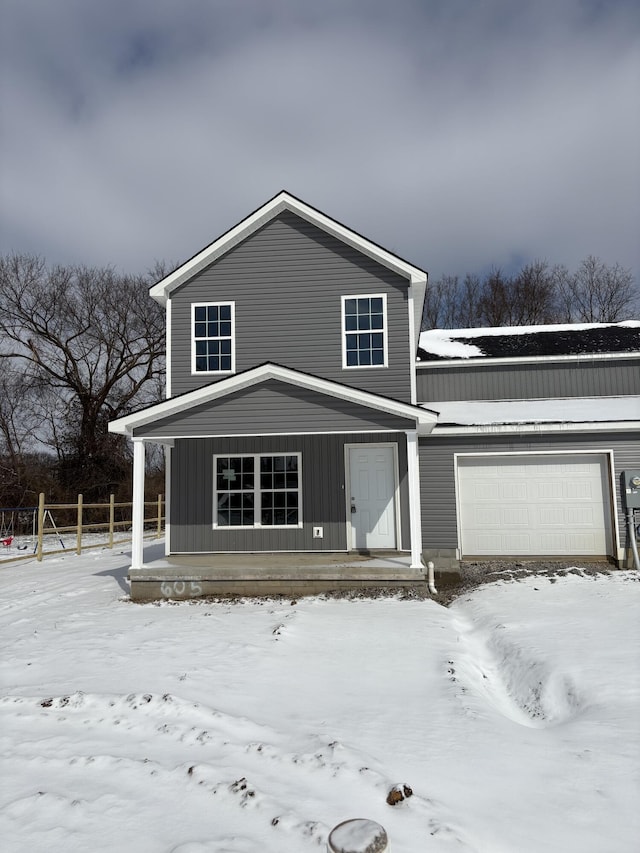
{"x": 171, "y": 588}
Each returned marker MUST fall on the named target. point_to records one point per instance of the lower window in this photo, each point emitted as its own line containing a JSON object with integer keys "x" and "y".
{"x": 257, "y": 490}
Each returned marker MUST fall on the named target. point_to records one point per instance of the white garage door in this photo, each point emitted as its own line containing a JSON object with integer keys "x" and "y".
{"x": 534, "y": 505}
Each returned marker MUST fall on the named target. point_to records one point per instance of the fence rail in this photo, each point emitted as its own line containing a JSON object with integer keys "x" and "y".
{"x": 84, "y": 521}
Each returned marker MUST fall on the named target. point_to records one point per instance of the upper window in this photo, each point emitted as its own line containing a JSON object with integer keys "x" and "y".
{"x": 364, "y": 331}
{"x": 257, "y": 490}
{"x": 213, "y": 345}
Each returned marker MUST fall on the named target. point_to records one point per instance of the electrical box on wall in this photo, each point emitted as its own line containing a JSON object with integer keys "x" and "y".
{"x": 631, "y": 488}
{"x": 318, "y": 532}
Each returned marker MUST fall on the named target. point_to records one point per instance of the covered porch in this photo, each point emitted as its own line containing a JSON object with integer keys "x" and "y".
{"x": 253, "y": 574}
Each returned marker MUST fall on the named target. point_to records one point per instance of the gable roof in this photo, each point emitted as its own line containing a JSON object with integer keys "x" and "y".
{"x": 424, "y": 418}
{"x": 529, "y": 341}
{"x": 273, "y": 208}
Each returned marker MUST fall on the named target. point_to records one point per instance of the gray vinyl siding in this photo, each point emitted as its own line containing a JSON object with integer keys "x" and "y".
{"x": 273, "y": 407}
{"x": 286, "y": 280}
{"x": 323, "y": 493}
{"x": 438, "y": 499}
{"x": 606, "y": 378}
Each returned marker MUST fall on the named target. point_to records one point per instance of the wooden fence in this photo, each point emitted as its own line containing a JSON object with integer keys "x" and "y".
{"x": 87, "y": 519}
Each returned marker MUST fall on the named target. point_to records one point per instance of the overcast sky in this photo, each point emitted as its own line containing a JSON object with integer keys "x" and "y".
{"x": 458, "y": 133}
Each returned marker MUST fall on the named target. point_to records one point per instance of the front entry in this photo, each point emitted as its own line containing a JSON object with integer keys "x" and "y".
{"x": 372, "y": 490}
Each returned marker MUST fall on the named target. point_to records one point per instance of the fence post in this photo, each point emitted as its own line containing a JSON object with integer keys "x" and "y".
{"x": 159, "y": 531}
{"x": 40, "y": 527}
{"x": 112, "y": 512}
{"x": 79, "y": 531}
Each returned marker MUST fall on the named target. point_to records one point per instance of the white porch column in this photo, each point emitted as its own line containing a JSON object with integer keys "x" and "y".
{"x": 168, "y": 451}
{"x": 413, "y": 475}
{"x": 137, "y": 511}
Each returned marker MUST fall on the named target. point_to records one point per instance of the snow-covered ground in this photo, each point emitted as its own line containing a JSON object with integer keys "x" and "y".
{"x": 257, "y": 727}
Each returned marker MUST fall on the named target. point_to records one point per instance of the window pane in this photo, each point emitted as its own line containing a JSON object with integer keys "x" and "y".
{"x": 213, "y": 335}
{"x": 266, "y": 481}
{"x": 352, "y": 358}
{"x": 377, "y": 321}
{"x": 376, "y": 305}
{"x": 350, "y": 306}
{"x": 236, "y": 490}
{"x": 377, "y": 356}
{"x": 364, "y": 322}
{"x": 350, "y": 323}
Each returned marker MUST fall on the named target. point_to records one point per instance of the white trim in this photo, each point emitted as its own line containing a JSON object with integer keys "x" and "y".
{"x": 607, "y": 454}
{"x": 396, "y": 488}
{"x": 170, "y": 441}
{"x": 283, "y": 201}
{"x": 168, "y": 453}
{"x": 413, "y": 480}
{"x": 137, "y": 509}
{"x": 257, "y": 491}
{"x": 412, "y": 347}
{"x": 520, "y": 429}
{"x": 168, "y": 349}
{"x": 231, "y": 304}
{"x": 421, "y": 416}
{"x": 481, "y": 361}
{"x": 345, "y": 332}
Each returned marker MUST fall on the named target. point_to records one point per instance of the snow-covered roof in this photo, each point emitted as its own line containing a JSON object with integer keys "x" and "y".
{"x": 565, "y": 410}
{"x": 527, "y": 341}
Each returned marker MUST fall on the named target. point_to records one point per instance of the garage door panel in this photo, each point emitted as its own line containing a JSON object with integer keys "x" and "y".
{"x": 534, "y": 505}
{"x": 549, "y": 491}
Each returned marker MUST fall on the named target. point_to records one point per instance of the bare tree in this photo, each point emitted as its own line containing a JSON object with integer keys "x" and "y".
{"x": 92, "y": 341}
{"x": 469, "y": 303}
{"x": 495, "y": 302}
{"x": 441, "y": 303}
{"x": 596, "y": 292}
{"x": 533, "y": 295}
{"x": 536, "y": 295}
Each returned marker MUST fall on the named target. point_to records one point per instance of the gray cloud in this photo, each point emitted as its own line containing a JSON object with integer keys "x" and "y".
{"x": 459, "y": 134}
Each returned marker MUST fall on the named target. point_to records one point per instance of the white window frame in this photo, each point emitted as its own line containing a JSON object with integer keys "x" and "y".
{"x": 232, "y": 337}
{"x": 257, "y": 493}
{"x": 344, "y": 332}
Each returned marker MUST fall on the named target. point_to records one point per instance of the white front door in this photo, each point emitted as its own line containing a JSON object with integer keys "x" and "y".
{"x": 372, "y": 497}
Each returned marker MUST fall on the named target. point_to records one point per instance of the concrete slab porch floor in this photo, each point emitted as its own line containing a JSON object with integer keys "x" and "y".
{"x": 254, "y": 574}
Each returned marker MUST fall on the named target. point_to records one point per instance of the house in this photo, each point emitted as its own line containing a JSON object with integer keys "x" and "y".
{"x": 299, "y": 422}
